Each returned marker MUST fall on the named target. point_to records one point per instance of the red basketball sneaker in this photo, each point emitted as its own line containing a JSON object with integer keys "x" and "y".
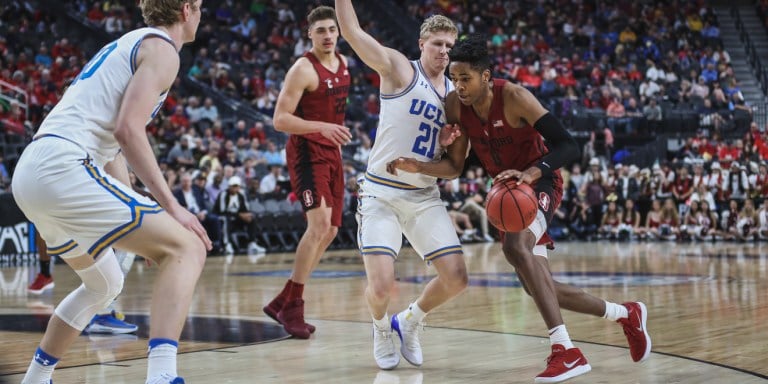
{"x": 636, "y": 332}
{"x": 292, "y": 319}
{"x": 41, "y": 284}
{"x": 275, "y": 306}
{"x": 563, "y": 364}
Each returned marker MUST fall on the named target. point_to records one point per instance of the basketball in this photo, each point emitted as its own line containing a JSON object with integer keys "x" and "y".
{"x": 511, "y": 207}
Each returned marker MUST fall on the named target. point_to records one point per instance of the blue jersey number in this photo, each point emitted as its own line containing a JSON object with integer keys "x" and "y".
{"x": 425, "y": 143}
{"x": 96, "y": 62}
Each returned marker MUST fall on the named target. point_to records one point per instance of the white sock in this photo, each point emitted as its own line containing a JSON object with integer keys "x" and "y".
{"x": 615, "y": 311}
{"x": 414, "y": 313}
{"x": 383, "y": 323}
{"x": 162, "y": 360}
{"x": 40, "y": 369}
{"x": 559, "y": 335}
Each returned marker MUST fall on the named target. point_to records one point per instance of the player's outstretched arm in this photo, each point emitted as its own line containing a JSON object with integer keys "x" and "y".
{"x": 388, "y": 62}
{"x": 302, "y": 77}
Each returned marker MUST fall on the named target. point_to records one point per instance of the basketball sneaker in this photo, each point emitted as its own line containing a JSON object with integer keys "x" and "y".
{"x": 275, "y": 306}
{"x": 410, "y": 347}
{"x": 563, "y": 364}
{"x": 41, "y": 284}
{"x": 165, "y": 379}
{"x": 636, "y": 331}
{"x": 384, "y": 348}
{"x": 291, "y": 316}
{"x": 110, "y": 323}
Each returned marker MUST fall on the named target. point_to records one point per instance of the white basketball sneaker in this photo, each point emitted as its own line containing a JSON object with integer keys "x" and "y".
{"x": 410, "y": 347}
{"x": 384, "y": 348}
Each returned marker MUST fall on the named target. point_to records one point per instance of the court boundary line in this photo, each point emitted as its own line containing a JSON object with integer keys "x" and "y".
{"x": 224, "y": 348}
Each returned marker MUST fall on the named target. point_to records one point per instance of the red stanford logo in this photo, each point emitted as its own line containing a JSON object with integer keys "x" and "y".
{"x": 544, "y": 201}
{"x": 307, "y": 198}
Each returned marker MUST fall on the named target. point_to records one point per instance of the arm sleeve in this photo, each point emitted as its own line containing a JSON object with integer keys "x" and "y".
{"x": 562, "y": 147}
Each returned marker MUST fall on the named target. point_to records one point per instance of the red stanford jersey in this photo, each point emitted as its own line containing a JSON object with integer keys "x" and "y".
{"x": 500, "y": 146}
{"x": 329, "y": 101}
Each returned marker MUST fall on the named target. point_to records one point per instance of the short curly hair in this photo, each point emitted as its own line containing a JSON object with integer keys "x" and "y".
{"x": 437, "y": 23}
{"x": 322, "y": 12}
{"x": 472, "y": 50}
{"x": 163, "y": 13}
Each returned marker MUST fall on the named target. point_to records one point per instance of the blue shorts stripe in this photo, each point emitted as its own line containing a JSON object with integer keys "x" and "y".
{"x": 138, "y": 210}
{"x": 389, "y": 183}
{"x": 443, "y": 252}
{"x": 61, "y": 249}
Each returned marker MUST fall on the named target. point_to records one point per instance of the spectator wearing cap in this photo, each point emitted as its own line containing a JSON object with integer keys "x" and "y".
{"x": 737, "y": 185}
{"x": 233, "y": 205}
{"x": 627, "y": 187}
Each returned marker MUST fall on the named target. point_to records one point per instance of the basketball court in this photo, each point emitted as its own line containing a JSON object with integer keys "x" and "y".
{"x": 708, "y": 306}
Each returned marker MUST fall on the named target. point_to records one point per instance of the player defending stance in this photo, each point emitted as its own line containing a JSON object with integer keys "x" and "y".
{"x": 311, "y": 108}
{"x": 412, "y": 98}
{"x": 63, "y": 186}
{"x": 495, "y": 117}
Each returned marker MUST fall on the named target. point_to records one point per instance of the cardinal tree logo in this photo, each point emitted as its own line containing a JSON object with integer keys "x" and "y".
{"x": 307, "y": 198}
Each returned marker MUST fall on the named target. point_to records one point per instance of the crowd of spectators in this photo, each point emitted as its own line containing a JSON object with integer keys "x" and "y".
{"x": 629, "y": 62}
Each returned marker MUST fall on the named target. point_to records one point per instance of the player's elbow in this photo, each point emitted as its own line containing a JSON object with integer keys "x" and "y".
{"x": 123, "y": 134}
{"x": 455, "y": 171}
{"x": 280, "y": 122}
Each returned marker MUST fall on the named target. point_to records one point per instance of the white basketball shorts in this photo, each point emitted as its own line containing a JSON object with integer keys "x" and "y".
{"x": 386, "y": 213}
{"x": 76, "y": 207}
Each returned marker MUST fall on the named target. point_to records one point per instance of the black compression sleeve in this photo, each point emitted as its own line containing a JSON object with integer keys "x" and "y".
{"x": 562, "y": 147}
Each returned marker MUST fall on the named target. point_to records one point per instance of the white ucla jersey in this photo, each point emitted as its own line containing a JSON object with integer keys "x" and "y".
{"x": 409, "y": 126}
{"x": 87, "y": 112}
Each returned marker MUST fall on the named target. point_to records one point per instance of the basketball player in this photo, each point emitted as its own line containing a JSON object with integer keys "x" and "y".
{"x": 506, "y": 126}
{"x": 62, "y": 185}
{"x": 412, "y": 97}
{"x": 311, "y": 109}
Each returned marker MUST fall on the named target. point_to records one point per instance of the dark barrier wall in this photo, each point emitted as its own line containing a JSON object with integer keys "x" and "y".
{"x": 17, "y": 235}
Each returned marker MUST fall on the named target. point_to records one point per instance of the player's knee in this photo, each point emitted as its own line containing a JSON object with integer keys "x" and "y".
{"x": 380, "y": 288}
{"x": 197, "y": 254}
{"x": 322, "y": 230}
{"x": 516, "y": 252}
{"x": 190, "y": 252}
{"x": 104, "y": 279}
{"x": 455, "y": 277}
{"x": 331, "y": 234}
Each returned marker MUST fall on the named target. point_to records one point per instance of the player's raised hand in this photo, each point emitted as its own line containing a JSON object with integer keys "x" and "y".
{"x": 337, "y": 134}
{"x": 406, "y": 164}
{"x": 448, "y": 134}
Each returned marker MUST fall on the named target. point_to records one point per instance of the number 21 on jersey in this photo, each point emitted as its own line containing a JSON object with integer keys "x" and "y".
{"x": 425, "y": 143}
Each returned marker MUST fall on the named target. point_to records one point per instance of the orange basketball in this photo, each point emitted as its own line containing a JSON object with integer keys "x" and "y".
{"x": 511, "y": 207}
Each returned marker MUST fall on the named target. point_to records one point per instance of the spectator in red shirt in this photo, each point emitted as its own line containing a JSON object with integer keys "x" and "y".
{"x": 179, "y": 119}
{"x": 257, "y": 132}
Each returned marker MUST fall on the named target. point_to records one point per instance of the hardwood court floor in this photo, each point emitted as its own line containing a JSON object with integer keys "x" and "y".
{"x": 708, "y": 306}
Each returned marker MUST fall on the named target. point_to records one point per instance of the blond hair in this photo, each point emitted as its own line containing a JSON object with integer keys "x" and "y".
{"x": 163, "y": 13}
{"x": 437, "y": 23}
